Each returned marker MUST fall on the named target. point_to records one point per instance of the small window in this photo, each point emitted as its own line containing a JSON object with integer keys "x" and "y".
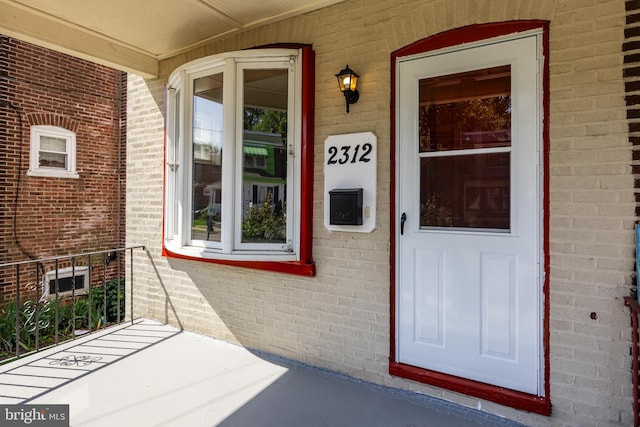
{"x": 53, "y": 152}
{"x": 65, "y": 281}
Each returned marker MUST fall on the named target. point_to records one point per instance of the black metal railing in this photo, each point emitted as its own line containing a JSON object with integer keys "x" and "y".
{"x": 632, "y": 303}
{"x": 46, "y": 301}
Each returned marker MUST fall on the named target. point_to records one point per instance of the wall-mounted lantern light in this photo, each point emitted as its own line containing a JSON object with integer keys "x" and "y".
{"x": 348, "y": 79}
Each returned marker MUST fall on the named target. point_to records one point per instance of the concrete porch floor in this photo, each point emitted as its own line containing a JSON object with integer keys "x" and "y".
{"x": 149, "y": 374}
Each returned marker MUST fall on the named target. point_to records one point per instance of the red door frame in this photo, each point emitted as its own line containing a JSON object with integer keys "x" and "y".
{"x": 501, "y": 395}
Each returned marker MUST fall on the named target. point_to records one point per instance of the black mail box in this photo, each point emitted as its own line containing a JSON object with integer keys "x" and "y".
{"x": 345, "y": 206}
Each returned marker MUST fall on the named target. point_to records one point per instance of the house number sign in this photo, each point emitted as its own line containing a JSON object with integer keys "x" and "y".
{"x": 349, "y": 154}
{"x": 350, "y": 162}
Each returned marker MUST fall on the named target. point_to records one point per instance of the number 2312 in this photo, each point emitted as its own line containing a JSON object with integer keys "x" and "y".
{"x": 344, "y": 154}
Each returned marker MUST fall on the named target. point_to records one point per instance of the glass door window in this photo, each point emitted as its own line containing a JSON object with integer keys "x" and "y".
{"x": 465, "y": 149}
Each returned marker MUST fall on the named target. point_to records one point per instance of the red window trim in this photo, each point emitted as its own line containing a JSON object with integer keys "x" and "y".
{"x": 305, "y": 266}
{"x": 473, "y": 33}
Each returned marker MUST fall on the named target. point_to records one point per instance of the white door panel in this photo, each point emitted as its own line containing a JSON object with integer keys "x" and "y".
{"x": 468, "y": 254}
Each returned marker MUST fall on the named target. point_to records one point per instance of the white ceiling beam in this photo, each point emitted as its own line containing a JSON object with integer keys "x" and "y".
{"x": 33, "y": 27}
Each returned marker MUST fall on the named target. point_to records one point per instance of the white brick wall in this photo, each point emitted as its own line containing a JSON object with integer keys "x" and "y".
{"x": 340, "y": 318}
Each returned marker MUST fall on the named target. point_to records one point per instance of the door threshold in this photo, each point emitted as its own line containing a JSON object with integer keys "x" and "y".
{"x": 503, "y": 396}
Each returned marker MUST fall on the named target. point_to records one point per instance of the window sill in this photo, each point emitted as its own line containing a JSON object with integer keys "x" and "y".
{"x": 53, "y": 173}
{"x": 279, "y": 263}
{"x": 66, "y": 294}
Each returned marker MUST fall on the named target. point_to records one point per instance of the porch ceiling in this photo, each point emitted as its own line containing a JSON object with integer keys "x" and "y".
{"x": 135, "y": 35}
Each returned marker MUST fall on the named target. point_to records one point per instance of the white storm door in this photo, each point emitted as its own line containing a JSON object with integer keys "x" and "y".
{"x": 468, "y": 201}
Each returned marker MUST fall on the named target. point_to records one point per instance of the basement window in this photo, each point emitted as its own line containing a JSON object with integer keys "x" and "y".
{"x": 53, "y": 152}
{"x": 65, "y": 281}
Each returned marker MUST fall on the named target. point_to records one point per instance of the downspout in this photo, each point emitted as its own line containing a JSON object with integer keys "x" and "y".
{"x": 122, "y": 139}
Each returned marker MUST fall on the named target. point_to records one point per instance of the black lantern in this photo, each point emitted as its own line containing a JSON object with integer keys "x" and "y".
{"x": 347, "y": 80}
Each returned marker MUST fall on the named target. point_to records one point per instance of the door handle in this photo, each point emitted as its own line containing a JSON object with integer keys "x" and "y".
{"x": 403, "y": 219}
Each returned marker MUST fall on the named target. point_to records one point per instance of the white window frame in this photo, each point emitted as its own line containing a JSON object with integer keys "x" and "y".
{"x": 37, "y": 132}
{"x": 178, "y": 169}
{"x": 64, "y": 273}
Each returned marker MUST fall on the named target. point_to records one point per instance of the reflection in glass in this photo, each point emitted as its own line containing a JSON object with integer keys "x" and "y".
{"x": 53, "y": 152}
{"x": 470, "y": 191}
{"x": 264, "y": 178}
{"x": 466, "y": 110}
{"x": 207, "y": 158}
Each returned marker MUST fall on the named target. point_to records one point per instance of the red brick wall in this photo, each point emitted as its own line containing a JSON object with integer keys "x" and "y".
{"x": 59, "y": 216}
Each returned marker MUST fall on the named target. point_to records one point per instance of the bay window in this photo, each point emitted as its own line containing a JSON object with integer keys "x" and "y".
{"x": 239, "y": 160}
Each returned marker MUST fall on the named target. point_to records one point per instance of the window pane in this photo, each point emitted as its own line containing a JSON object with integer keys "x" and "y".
{"x": 52, "y": 160}
{"x": 470, "y": 191}
{"x": 66, "y": 284}
{"x": 53, "y": 152}
{"x": 264, "y": 178}
{"x": 173, "y": 155}
{"x": 466, "y": 110}
{"x": 206, "y": 181}
{"x": 50, "y": 143}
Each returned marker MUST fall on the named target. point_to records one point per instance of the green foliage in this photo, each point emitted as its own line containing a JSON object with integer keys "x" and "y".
{"x": 261, "y": 223}
{"x": 264, "y": 120}
{"x": 112, "y": 301}
{"x": 455, "y": 118}
{"x": 433, "y": 214}
{"x": 8, "y": 329}
{"x": 68, "y": 311}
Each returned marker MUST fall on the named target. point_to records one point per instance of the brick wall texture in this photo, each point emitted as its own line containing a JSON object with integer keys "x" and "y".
{"x": 47, "y": 216}
{"x": 340, "y": 319}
